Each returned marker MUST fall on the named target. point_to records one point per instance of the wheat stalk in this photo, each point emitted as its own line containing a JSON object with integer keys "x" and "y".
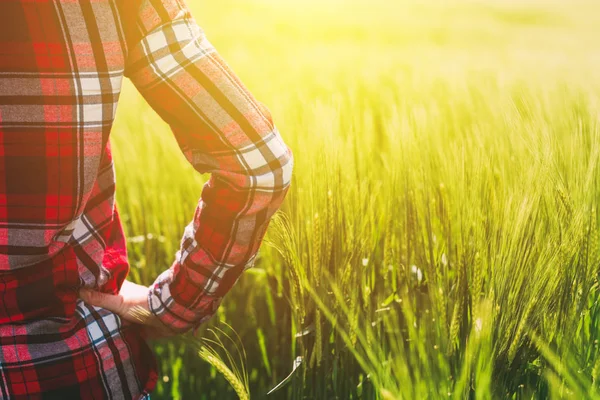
{"x": 316, "y": 250}
{"x": 330, "y": 226}
{"x": 596, "y": 371}
{"x": 458, "y": 311}
{"x": 140, "y": 314}
{"x": 211, "y": 357}
{"x": 512, "y": 350}
{"x": 477, "y": 285}
{"x": 318, "y": 338}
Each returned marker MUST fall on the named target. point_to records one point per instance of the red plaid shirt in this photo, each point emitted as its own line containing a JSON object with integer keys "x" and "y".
{"x": 61, "y": 67}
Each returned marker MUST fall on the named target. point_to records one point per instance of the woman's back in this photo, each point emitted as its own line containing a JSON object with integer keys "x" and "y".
{"x": 61, "y": 67}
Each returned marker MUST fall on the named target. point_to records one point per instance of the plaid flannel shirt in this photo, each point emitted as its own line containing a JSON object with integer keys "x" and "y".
{"x": 61, "y": 67}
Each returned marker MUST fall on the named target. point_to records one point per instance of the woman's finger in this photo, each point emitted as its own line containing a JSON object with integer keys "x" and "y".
{"x": 111, "y": 302}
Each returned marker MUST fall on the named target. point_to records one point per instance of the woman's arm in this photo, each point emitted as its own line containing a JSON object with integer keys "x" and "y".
{"x": 222, "y": 130}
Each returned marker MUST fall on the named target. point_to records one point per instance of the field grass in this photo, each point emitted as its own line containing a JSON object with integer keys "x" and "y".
{"x": 441, "y": 236}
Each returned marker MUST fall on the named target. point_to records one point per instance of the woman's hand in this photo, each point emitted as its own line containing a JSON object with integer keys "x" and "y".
{"x": 130, "y": 304}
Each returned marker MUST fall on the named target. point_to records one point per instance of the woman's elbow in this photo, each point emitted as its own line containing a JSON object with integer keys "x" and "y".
{"x": 274, "y": 171}
{"x": 288, "y": 167}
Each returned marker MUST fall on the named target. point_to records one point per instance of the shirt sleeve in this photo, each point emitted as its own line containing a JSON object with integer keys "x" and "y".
{"x": 222, "y": 130}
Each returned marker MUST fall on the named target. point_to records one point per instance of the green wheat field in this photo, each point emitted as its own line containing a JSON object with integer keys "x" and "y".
{"x": 441, "y": 236}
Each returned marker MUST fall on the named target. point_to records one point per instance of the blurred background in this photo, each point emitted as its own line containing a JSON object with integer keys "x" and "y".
{"x": 440, "y": 238}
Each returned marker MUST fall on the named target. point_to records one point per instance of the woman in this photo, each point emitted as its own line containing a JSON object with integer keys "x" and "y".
{"x": 71, "y": 325}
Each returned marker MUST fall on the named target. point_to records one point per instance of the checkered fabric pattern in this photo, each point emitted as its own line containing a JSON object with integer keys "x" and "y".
{"x": 91, "y": 355}
{"x": 62, "y": 63}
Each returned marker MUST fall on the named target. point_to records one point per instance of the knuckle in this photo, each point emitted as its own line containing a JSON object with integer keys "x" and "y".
{"x": 95, "y": 297}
